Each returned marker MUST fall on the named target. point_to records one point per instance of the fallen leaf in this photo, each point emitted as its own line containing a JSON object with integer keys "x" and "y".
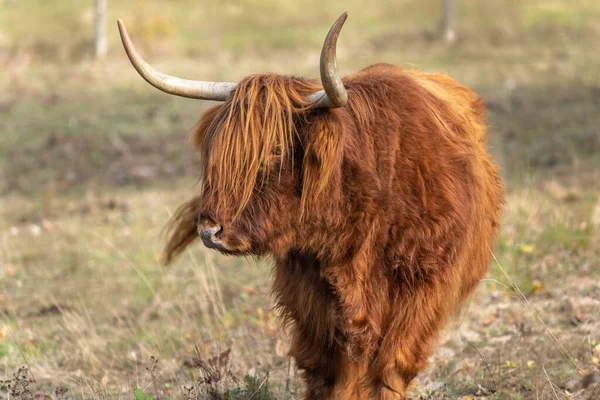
{"x": 526, "y": 248}
{"x": 537, "y": 286}
{"x": 489, "y": 320}
{"x": 249, "y": 290}
{"x": 577, "y": 319}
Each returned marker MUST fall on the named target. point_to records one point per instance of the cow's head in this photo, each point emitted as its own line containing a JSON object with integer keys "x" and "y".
{"x": 268, "y": 153}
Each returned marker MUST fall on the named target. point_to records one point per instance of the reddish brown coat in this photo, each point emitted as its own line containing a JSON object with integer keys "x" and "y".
{"x": 379, "y": 215}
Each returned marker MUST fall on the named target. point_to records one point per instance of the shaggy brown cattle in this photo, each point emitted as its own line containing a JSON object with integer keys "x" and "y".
{"x": 374, "y": 195}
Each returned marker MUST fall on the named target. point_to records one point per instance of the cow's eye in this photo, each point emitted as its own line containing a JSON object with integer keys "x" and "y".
{"x": 274, "y": 164}
{"x": 277, "y": 151}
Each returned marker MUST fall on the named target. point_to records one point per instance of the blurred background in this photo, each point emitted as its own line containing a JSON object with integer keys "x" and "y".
{"x": 93, "y": 161}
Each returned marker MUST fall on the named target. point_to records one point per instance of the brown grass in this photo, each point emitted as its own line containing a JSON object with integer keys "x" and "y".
{"x": 84, "y": 194}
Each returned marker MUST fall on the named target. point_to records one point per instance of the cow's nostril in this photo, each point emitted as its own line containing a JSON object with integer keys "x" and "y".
{"x": 219, "y": 233}
{"x": 211, "y": 234}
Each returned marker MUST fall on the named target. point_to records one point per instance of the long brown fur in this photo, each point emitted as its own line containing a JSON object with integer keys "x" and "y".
{"x": 379, "y": 215}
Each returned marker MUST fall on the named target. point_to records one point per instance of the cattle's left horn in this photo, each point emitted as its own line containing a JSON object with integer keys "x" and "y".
{"x": 334, "y": 93}
{"x": 219, "y": 91}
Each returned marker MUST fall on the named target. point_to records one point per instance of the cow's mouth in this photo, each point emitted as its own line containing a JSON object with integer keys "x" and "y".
{"x": 214, "y": 238}
{"x": 214, "y": 244}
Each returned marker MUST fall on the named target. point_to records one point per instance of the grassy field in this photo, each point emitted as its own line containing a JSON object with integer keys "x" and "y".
{"x": 93, "y": 161}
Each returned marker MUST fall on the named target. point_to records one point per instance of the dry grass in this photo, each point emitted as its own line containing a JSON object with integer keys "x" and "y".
{"x": 87, "y": 304}
{"x": 93, "y": 162}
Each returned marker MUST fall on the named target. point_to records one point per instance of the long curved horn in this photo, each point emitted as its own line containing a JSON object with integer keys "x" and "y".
{"x": 219, "y": 91}
{"x": 334, "y": 93}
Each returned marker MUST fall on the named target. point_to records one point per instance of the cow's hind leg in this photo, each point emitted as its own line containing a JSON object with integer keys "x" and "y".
{"x": 330, "y": 374}
{"x": 420, "y": 314}
{"x": 391, "y": 385}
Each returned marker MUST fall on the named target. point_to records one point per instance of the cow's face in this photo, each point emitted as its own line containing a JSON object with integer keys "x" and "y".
{"x": 264, "y": 158}
{"x": 264, "y": 154}
{"x": 267, "y": 220}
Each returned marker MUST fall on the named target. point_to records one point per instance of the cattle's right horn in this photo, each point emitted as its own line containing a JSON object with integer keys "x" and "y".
{"x": 334, "y": 93}
{"x": 219, "y": 91}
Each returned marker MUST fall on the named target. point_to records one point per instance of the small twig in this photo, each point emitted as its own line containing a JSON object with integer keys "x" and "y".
{"x": 550, "y": 382}
{"x": 515, "y": 289}
{"x": 259, "y": 386}
{"x": 23, "y": 355}
{"x": 287, "y": 378}
{"x": 485, "y": 363}
{"x": 152, "y": 369}
{"x": 128, "y": 261}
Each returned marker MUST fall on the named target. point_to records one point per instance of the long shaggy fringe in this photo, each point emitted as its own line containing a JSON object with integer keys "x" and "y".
{"x": 245, "y": 133}
{"x": 237, "y": 141}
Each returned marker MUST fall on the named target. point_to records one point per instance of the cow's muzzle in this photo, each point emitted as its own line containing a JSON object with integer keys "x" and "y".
{"x": 211, "y": 233}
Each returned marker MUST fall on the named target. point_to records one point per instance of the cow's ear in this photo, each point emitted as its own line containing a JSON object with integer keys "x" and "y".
{"x": 321, "y": 166}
